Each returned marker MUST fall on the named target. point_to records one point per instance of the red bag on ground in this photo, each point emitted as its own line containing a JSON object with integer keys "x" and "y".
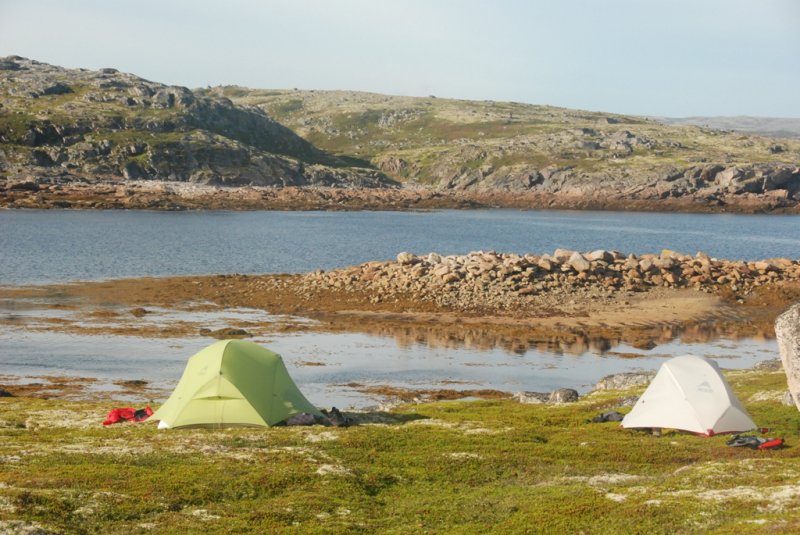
{"x": 128, "y": 414}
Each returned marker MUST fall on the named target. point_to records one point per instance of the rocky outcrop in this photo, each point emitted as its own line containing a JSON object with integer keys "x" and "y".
{"x": 561, "y": 395}
{"x": 76, "y": 124}
{"x": 787, "y": 331}
{"x": 624, "y": 381}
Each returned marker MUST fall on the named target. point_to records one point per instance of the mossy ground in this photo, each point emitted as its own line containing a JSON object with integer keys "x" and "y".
{"x": 453, "y": 467}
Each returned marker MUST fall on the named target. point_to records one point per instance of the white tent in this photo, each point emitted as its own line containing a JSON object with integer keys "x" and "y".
{"x": 689, "y": 393}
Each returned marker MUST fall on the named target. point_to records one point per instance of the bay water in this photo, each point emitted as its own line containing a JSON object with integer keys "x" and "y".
{"x": 57, "y": 246}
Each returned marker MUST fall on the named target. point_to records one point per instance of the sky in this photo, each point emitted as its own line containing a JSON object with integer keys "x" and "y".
{"x": 671, "y": 58}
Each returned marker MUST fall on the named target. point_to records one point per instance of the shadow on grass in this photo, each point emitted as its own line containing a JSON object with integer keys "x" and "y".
{"x": 382, "y": 417}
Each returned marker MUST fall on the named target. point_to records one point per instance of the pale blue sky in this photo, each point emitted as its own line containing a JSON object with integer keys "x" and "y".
{"x": 648, "y": 57}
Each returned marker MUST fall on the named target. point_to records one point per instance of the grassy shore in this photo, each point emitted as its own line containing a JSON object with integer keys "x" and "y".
{"x": 450, "y": 467}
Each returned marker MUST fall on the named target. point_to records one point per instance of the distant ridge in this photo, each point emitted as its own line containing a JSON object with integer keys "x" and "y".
{"x": 764, "y": 126}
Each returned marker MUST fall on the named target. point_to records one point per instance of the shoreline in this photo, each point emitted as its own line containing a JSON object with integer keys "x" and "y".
{"x": 179, "y": 196}
{"x": 518, "y": 303}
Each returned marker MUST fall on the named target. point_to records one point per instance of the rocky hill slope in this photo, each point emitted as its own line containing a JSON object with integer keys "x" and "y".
{"x": 75, "y": 124}
{"x": 487, "y": 145}
{"x": 61, "y": 129}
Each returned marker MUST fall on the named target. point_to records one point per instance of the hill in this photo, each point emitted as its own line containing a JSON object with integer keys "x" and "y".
{"x": 77, "y": 124}
{"x": 66, "y": 134}
{"x": 487, "y": 145}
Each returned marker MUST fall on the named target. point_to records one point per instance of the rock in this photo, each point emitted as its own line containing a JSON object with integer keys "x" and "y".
{"x": 562, "y": 255}
{"x": 441, "y": 271}
{"x": 628, "y": 401}
{"x": 787, "y": 331}
{"x": 563, "y": 395}
{"x": 24, "y": 185}
{"x": 133, "y": 171}
{"x": 579, "y": 263}
{"x": 769, "y": 365}
{"x": 5, "y": 393}
{"x": 451, "y": 277}
{"x": 57, "y": 89}
{"x": 8, "y": 65}
{"x": 664, "y": 263}
{"x": 227, "y": 332}
{"x": 600, "y": 254}
{"x": 407, "y": 258}
{"x": 669, "y": 253}
{"x": 532, "y": 397}
{"x": 788, "y": 399}
{"x": 764, "y": 266}
{"x": 624, "y": 381}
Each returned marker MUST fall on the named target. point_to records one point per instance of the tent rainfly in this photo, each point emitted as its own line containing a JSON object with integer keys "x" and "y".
{"x": 689, "y": 393}
{"x": 233, "y": 383}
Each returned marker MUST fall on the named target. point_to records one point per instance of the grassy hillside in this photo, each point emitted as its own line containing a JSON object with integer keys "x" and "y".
{"x": 462, "y": 144}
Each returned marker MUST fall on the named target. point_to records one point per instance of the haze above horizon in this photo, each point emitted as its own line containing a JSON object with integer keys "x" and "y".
{"x": 674, "y": 59}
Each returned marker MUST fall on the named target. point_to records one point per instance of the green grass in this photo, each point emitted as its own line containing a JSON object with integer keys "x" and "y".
{"x": 464, "y": 467}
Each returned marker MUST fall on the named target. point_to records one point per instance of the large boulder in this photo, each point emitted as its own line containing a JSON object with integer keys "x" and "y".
{"x": 579, "y": 263}
{"x": 787, "y": 330}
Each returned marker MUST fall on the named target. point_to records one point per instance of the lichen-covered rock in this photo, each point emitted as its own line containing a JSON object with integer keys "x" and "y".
{"x": 532, "y": 397}
{"x": 787, "y": 331}
{"x": 563, "y": 395}
{"x": 624, "y": 381}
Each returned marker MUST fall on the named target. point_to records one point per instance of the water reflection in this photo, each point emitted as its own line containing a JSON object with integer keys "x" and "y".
{"x": 519, "y": 341}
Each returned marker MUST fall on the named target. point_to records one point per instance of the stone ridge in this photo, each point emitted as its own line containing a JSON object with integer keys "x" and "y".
{"x": 489, "y": 281}
{"x": 76, "y": 124}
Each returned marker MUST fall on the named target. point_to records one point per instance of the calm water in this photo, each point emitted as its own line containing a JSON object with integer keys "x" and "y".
{"x": 47, "y": 246}
{"x": 50, "y": 246}
{"x": 352, "y": 358}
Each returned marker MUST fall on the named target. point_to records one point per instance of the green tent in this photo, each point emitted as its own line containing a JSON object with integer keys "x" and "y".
{"x": 233, "y": 383}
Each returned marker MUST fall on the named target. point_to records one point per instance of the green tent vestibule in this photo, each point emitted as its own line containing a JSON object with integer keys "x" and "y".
{"x": 233, "y": 383}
